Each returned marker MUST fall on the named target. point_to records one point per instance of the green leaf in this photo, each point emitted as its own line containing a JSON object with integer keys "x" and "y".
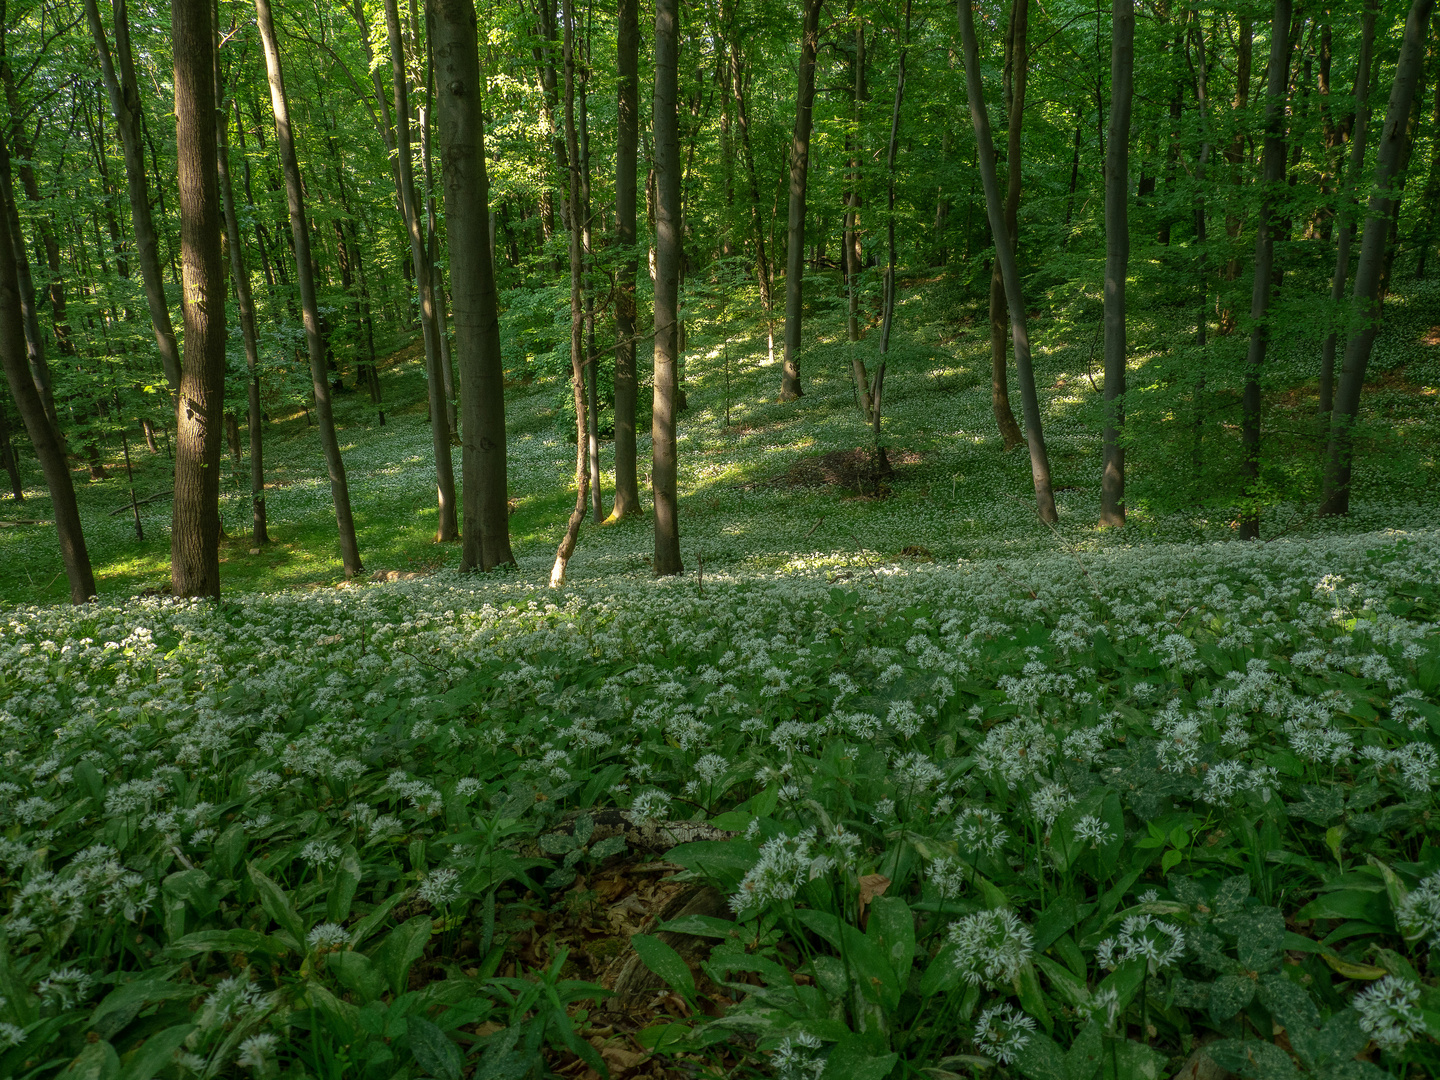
{"x": 612, "y": 845}
{"x": 230, "y": 941}
{"x": 342, "y": 892}
{"x": 1136, "y": 1061}
{"x": 1170, "y": 860}
{"x": 400, "y": 949}
{"x": 277, "y": 905}
{"x": 666, "y": 963}
{"x": 1054, "y": 921}
{"x": 358, "y": 974}
{"x": 1083, "y": 1058}
{"x": 1253, "y": 1059}
{"x": 1041, "y": 1058}
{"x": 97, "y": 1061}
{"x": 1288, "y": 1002}
{"x": 702, "y": 926}
{"x": 1228, "y": 995}
{"x": 892, "y": 930}
{"x": 157, "y": 1052}
{"x": 1028, "y": 988}
{"x": 433, "y": 1050}
{"x": 141, "y": 992}
{"x": 855, "y": 1058}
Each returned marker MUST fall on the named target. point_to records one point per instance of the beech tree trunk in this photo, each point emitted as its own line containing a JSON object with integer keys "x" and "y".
{"x": 663, "y": 467}
{"x": 199, "y": 423}
{"x": 1369, "y": 268}
{"x": 757, "y": 223}
{"x": 799, "y": 170}
{"x": 1015, "y": 81}
{"x": 1346, "y": 223}
{"x": 259, "y": 532}
{"x": 124, "y": 93}
{"x": 461, "y": 128}
{"x": 34, "y": 338}
{"x": 850, "y": 240}
{"x": 1117, "y": 257}
{"x": 447, "y": 526}
{"x": 577, "y": 312}
{"x": 305, "y": 279}
{"x": 1009, "y": 269}
{"x": 1266, "y": 229}
{"x": 7, "y": 450}
{"x": 627, "y": 66}
{"x": 42, "y": 436}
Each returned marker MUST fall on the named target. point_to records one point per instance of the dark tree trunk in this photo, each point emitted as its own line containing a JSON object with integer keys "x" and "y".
{"x": 850, "y": 253}
{"x": 305, "y": 278}
{"x": 1016, "y": 44}
{"x": 124, "y": 93}
{"x": 485, "y": 527}
{"x": 627, "y": 66}
{"x": 663, "y": 468}
{"x": 195, "y": 528}
{"x": 1369, "y": 267}
{"x": 1267, "y": 228}
{"x": 592, "y": 358}
{"x": 1117, "y": 258}
{"x": 7, "y": 449}
{"x": 877, "y": 396}
{"x": 241, "y": 274}
{"x": 762, "y": 258}
{"x": 42, "y": 436}
{"x": 1426, "y": 232}
{"x": 34, "y": 338}
{"x": 577, "y": 311}
{"x": 447, "y": 525}
{"x": 1010, "y": 271}
{"x": 1234, "y": 157}
{"x": 1358, "y": 135}
{"x": 799, "y": 169}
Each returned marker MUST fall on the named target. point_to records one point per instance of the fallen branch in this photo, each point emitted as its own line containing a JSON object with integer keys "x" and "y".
{"x": 22, "y": 521}
{"x": 140, "y": 502}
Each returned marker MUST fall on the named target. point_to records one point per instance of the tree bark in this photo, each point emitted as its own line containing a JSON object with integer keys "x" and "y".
{"x": 195, "y": 528}
{"x": 446, "y": 525}
{"x": 34, "y": 338}
{"x": 627, "y": 66}
{"x": 592, "y": 358}
{"x": 799, "y": 170}
{"x": 305, "y": 278}
{"x": 577, "y": 311}
{"x": 1117, "y": 257}
{"x": 42, "y": 436}
{"x": 1267, "y": 228}
{"x": 1348, "y": 205}
{"x": 1015, "y": 81}
{"x": 877, "y": 396}
{"x": 241, "y": 275}
{"x": 124, "y": 93}
{"x": 1234, "y": 156}
{"x": 7, "y": 449}
{"x": 850, "y": 242}
{"x": 1010, "y": 271}
{"x": 762, "y": 258}
{"x": 1369, "y": 267}
{"x": 485, "y": 527}
{"x": 663, "y": 468}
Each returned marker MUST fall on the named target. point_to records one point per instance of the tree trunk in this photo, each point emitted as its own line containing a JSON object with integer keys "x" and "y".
{"x": 124, "y": 93}
{"x": 34, "y": 338}
{"x": 195, "y": 528}
{"x": 1016, "y": 45}
{"x": 7, "y": 450}
{"x": 241, "y": 275}
{"x": 1432, "y": 182}
{"x": 850, "y": 243}
{"x": 42, "y": 436}
{"x": 1348, "y": 206}
{"x": 663, "y": 468}
{"x": 1267, "y": 228}
{"x": 762, "y": 259}
{"x": 882, "y": 465}
{"x": 1009, "y": 269}
{"x": 305, "y": 278}
{"x": 446, "y": 525}
{"x": 1370, "y": 265}
{"x": 799, "y": 169}
{"x": 592, "y": 358}
{"x": 627, "y": 66}
{"x": 577, "y": 311}
{"x": 461, "y": 128}
{"x": 1234, "y": 156}
{"x": 1117, "y": 257}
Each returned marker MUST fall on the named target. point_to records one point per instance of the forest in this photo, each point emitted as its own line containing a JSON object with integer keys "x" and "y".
{"x": 730, "y": 539}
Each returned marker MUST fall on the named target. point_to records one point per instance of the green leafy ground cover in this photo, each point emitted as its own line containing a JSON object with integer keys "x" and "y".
{"x": 285, "y": 834}
{"x": 1053, "y": 806}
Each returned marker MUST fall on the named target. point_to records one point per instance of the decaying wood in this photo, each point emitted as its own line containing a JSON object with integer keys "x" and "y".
{"x": 633, "y": 983}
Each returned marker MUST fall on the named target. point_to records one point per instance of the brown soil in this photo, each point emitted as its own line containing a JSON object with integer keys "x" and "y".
{"x": 847, "y": 470}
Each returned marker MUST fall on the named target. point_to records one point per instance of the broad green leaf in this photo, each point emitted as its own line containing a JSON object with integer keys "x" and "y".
{"x": 342, "y": 891}
{"x": 1228, "y": 995}
{"x": 1041, "y": 1058}
{"x": 230, "y": 941}
{"x": 702, "y": 926}
{"x": 892, "y": 930}
{"x": 400, "y": 949}
{"x": 358, "y": 974}
{"x": 1082, "y": 1060}
{"x": 666, "y": 963}
{"x": 96, "y": 1061}
{"x": 277, "y": 905}
{"x": 157, "y": 1052}
{"x": 433, "y": 1050}
{"x": 858, "y": 1058}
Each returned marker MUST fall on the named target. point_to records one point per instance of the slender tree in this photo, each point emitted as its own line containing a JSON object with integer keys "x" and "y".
{"x": 446, "y": 526}
{"x": 34, "y": 337}
{"x": 1369, "y": 267}
{"x": 42, "y": 436}
{"x": 1267, "y": 227}
{"x": 1009, "y": 268}
{"x": 1352, "y": 177}
{"x": 485, "y": 525}
{"x": 799, "y": 173}
{"x": 1016, "y": 78}
{"x": 305, "y": 279}
{"x": 627, "y": 67}
{"x": 124, "y": 91}
{"x": 246, "y": 303}
{"x": 1117, "y": 257}
{"x": 577, "y": 310}
{"x": 195, "y": 527}
{"x": 666, "y": 126}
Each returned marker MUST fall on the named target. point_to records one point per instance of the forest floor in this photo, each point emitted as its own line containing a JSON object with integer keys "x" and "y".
{"x": 767, "y": 486}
